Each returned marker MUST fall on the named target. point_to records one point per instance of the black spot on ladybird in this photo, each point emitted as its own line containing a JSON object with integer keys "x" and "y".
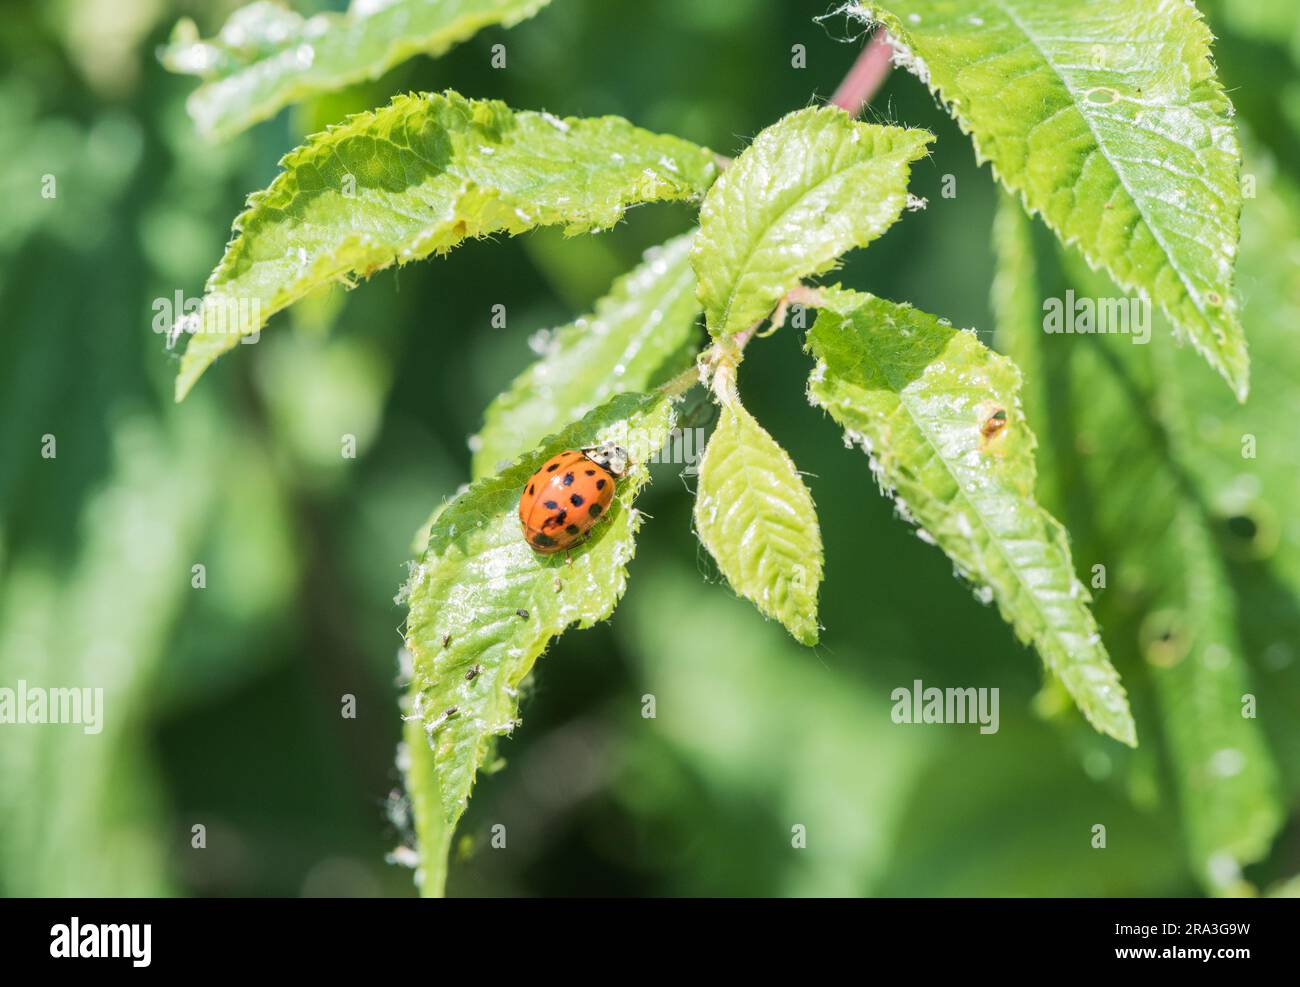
{"x": 568, "y": 479}
{"x": 553, "y": 467}
{"x": 600, "y": 484}
{"x": 595, "y": 510}
{"x": 591, "y": 472}
{"x": 576, "y": 500}
{"x": 572, "y": 529}
{"x": 530, "y": 488}
{"x": 543, "y": 541}
{"x": 550, "y": 505}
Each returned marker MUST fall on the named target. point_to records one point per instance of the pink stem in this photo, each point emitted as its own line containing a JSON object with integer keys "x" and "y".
{"x": 866, "y": 75}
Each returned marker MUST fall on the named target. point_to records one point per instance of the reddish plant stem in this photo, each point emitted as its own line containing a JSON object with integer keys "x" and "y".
{"x": 716, "y": 366}
{"x": 865, "y": 76}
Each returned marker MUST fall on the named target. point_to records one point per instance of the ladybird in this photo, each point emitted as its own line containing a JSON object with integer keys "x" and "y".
{"x": 568, "y": 496}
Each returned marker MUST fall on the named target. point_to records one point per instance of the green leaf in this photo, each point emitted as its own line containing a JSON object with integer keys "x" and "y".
{"x": 924, "y": 401}
{"x": 1263, "y": 481}
{"x": 1018, "y": 315}
{"x": 638, "y": 332}
{"x": 484, "y": 606}
{"x": 1226, "y": 777}
{"x": 1130, "y": 483}
{"x": 267, "y": 56}
{"x": 812, "y": 186}
{"x": 1192, "y": 623}
{"x": 1108, "y": 119}
{"x": 416, "y": 178}
{"x": 756, "y": 518}
{"x": 1168, "y": 580}
{"x": 1246, "y": 463}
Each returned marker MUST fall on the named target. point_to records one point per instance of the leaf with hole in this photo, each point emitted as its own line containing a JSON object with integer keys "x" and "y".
{"x": 938, "y": 413}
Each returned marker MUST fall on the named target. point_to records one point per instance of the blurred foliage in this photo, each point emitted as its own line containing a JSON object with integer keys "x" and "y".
{"x": 223, "y": 703}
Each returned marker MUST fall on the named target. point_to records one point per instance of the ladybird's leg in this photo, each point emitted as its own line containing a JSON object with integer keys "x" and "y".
{"x": 568, "y": 552}
{"x": 586, "y": 537}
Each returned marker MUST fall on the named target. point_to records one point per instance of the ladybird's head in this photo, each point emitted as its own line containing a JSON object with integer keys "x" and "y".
{"x": 608, "y": 456}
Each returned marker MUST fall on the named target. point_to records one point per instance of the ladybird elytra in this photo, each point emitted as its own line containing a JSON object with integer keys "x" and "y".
{"x": 568, "y": 496}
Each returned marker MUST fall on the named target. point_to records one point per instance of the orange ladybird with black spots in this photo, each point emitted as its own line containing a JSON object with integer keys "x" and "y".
{"x": 568, "y": 496}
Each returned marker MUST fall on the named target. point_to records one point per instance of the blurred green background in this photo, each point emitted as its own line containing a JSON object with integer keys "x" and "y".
{"x": 223, "y": 703}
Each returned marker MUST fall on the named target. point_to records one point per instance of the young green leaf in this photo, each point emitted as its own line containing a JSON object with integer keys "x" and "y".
{"x": 484, "y": 606}
{"x": 813, "y": 185}
{"x": 756, "y": 518}
{"x": 1116, "y": 130}
{"x": 638, "y": 333}
{"x": 939, "y": 415}
{"x": 267, "y": 56}
{"x": 416, "y": 178}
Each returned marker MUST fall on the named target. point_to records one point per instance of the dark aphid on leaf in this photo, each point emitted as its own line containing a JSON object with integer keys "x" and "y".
{"x": 569, "y": 495}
